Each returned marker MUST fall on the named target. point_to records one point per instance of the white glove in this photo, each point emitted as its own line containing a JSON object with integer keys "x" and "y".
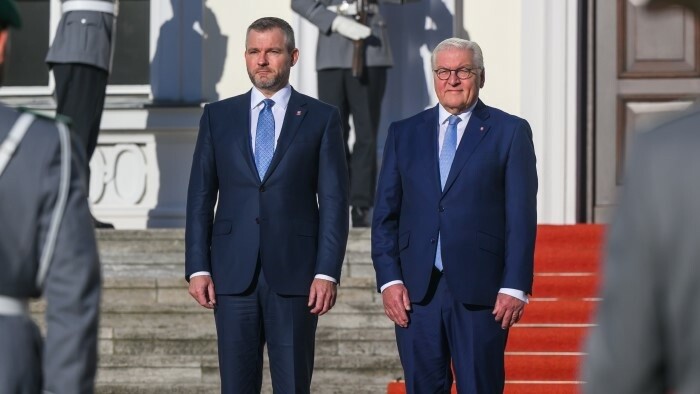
{"x": 349, "y": 28}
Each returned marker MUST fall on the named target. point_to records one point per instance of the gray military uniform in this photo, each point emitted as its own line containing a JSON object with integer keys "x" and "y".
{"x": 84, "y": 37}
{"x": 648, "y": 336}
{"x": 334, "y": 50}
{"x": 29, "y": 191}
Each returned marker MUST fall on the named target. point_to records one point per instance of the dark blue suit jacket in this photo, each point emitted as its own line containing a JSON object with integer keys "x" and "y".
{"x": 296, "y": 219}
{"x": 486, "y": 216}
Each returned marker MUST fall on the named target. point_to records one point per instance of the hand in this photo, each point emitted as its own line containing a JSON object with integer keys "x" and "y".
{"x": 508, "y": 310}
{"x": 349, "y": 28}
{"x": 322, "y": 296}
{"x": 396, "y": 303}
{"x": 202, "y": 290}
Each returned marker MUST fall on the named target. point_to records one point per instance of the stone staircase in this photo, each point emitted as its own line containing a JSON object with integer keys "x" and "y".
{"x": 155, "y": 339}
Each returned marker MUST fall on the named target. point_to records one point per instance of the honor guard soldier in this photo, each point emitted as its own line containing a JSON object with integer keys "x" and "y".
{"x": 81, "y": 59}
{"x": 352, "y": 58}
{"x": 47, "y": 247}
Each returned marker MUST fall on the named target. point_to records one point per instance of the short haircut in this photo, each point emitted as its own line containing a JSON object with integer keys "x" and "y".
{"x": 461, "y": 44}
{"x": 268, "y": 23}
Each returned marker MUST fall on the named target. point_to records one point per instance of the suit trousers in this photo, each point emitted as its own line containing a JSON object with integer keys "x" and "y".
{"x": 80, "y": 95}
{"x": 443, "y": 330}
{"x": 246, "y": 322}
{"x": 361, "y": 97}
{"x": 20, "y": 356}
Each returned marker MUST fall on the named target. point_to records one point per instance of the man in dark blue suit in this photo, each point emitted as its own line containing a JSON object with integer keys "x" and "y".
{"x": 453, "y": 233}
{"x": 268, "y": 259}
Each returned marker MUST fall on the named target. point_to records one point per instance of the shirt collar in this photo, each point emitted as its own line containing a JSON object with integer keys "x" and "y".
{"x": 281, "y": 98}
{"x": 464, "y": 115}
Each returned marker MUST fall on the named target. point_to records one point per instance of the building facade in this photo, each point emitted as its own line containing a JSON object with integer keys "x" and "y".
{"x": 586, "y": 74}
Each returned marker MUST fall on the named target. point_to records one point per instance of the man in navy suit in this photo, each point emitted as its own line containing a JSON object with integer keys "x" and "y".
{"x": 268, "y": 259}
{"x": 453, "y": 233}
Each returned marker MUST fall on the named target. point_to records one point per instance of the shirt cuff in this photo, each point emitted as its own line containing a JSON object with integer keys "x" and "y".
{"x": 519, "y": 294}
{"x": 200, "y": 273}
{"x": 326, "y": 277}
{"x": 387, "y": 284}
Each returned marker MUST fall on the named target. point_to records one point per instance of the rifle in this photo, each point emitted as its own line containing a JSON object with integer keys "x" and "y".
{"x": 358, "y": 53}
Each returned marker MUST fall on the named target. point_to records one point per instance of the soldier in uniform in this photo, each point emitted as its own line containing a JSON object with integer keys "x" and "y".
{"x": 47, "y": 246}
{"x": 81, "y": 59}
{"x": 359, "y": 96}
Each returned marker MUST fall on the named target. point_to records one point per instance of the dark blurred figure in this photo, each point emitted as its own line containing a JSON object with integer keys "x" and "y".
{"x": 81, "y": 59}
{"x": 47, "y": 245}
{"x": 648, "y": 334}
{"x": 360, "y": 96}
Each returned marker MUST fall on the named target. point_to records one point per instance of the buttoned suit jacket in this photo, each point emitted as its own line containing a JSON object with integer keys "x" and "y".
{"x": 647, "y": 338}
{"x": 334, "y": 50}
{"x": 486, "y": 214}
{"x": 295, "y": 219}
{"x": 84, "y": 37}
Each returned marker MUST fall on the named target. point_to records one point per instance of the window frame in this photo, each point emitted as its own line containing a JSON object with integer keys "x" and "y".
{"x": 48, "y": 90}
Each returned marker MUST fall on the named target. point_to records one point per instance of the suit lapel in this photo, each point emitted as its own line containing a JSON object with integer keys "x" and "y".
{"x": 296, "y": 111}
{"x": 475, "y": 132}
{"x": 241, "y": 131}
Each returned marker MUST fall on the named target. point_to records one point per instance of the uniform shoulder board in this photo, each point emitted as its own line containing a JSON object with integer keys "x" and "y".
{"x": 46, "y": 116}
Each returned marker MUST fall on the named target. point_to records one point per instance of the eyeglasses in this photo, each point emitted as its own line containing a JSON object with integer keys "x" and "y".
{"x": 462, "y": 73}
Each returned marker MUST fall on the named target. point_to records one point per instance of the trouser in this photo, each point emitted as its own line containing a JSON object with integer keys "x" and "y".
{"x": 20, "y": 355}
{"x": 363, "y": 99}
{"x": 80, "y": 95}
{"x": 246, "y": 322}
{"x": 443, "y": 331}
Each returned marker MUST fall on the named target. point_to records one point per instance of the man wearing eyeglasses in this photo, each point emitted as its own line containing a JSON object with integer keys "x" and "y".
{"x": 454, "y": 226}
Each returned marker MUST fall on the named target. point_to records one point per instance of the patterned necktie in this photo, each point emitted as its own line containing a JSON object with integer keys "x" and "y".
{"x": 447, "y": 155}
{"x": 265, "y": 138}
{"x": 449, "y": 147}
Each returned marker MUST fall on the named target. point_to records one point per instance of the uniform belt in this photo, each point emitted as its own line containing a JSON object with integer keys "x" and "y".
{"x": 90, "y": 5}
{"x": 350, "y": 9}
{"x": 10, "y": 306}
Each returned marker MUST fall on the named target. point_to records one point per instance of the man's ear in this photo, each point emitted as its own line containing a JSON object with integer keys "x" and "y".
{"x": 4, "y": 36}
{"x": 483, "y": 78}
{"x": 295, "y": 56}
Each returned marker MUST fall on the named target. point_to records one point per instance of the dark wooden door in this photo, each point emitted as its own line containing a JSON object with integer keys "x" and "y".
{"x": 646, "y": 68}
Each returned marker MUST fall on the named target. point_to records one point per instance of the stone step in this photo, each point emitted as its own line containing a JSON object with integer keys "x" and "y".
{"x": 360, "y": 263}
{"x": 328, "y": 369}
{"x": 154, "y": 240}
{"x": 173, "y": 290}
{"x": 186, "y": 388}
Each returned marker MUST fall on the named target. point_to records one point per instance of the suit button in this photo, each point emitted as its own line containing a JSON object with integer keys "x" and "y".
{"x": 442, "y": 209}
{"x": 257, "y": 220}
{"x": 432, "y": 240}
{"x": 262, "y": 189}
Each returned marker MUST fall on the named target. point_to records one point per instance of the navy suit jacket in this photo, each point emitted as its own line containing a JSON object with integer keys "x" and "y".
{"x": 486, "y": 214}
{"x": 295, "y": 219}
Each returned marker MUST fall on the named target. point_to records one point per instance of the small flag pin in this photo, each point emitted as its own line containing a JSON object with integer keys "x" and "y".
{"x": 298, "y": 113}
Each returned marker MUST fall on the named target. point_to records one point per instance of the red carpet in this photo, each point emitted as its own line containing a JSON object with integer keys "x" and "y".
{"x": 543, "y": 352}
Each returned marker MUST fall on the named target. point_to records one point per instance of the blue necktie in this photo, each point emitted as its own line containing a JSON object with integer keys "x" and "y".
{"x": 447, "y": 155}
{"x": 265, "y": 138}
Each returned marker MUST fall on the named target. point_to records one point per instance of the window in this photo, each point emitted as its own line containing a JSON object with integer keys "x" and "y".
{"x": 131, "y": 58}
{"x": 26, "y": 65}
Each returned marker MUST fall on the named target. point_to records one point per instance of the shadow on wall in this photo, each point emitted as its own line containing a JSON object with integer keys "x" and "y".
{"x": 414, "y": 31}
{"x": 190, "y": 55}
{"x": 187, "y": 65}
